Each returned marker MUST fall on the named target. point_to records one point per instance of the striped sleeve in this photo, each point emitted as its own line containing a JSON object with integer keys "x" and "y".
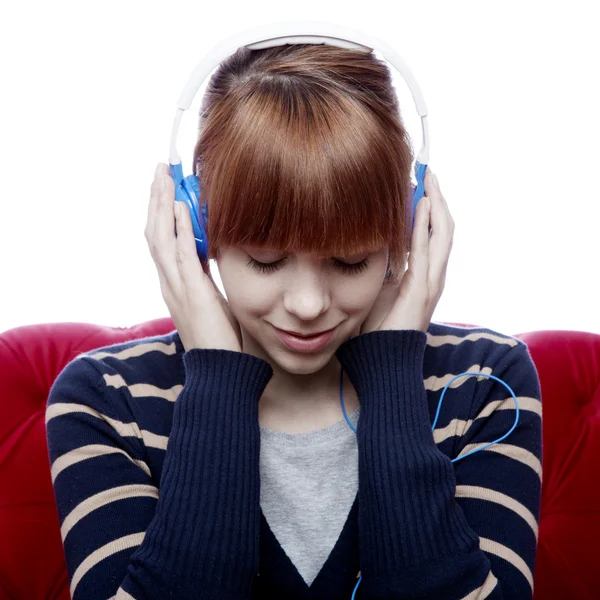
{"x": 432, "y": 528}
{"x": 121, "y": 538}
{"x": 499, "y": 488}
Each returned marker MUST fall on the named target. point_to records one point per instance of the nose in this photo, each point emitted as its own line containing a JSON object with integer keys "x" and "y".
{"x": 307, "y": 297}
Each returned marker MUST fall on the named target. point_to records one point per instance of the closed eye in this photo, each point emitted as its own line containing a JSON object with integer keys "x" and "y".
{"x": 350, "y": 268}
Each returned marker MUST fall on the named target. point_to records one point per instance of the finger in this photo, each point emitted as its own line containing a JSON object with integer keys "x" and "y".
{"x": 162, "y": 238}
{"x": 155, "y": 190}
{"x": 164, "y": 226}
{"x": 440, "y": 215}
{"x": 432, "y": 189}
{"x": 429, "y": 182}
{"x": 187, "y": 259}
{"x": 442, "y": 235}
{"x": 418, "y": 259}
{"x": 186, "y": 223}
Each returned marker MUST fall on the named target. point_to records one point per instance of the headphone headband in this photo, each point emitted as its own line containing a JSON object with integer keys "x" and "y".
{"x": 296, "y": 32}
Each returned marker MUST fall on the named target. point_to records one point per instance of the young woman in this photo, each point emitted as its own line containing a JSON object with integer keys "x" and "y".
{"x": 287, "y": 442}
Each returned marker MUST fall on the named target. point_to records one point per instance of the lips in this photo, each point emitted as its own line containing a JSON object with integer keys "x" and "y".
{"x": 305, "y": 335}
{"x": 304, "y": 343}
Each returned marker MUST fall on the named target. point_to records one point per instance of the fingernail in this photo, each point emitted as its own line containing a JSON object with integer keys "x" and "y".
{"x": 158, "y": 172}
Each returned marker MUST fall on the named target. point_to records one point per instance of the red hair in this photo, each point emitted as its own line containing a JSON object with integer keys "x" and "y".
{"x": 302, "y": 148}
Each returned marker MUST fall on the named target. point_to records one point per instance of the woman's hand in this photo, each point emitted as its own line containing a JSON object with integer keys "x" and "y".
{"x": 198, "y": 309}
{"x": 410, "y": 303}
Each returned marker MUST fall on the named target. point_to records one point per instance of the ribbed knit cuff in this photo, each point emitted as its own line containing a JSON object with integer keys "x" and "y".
{"x": 206, "y": 530}
{"x": 407, "y": 512}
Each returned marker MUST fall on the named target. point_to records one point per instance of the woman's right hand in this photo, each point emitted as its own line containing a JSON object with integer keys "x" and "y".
{"x": 199, "y": 311}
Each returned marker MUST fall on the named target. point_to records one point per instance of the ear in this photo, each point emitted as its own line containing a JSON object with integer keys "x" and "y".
{"x": 388, "y": 273}
{"x": 205, "y": 267}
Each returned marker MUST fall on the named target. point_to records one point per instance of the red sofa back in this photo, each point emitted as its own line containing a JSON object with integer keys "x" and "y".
{"x": 32, "y": 563}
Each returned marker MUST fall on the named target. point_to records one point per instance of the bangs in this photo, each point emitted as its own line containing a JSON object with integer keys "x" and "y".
{"x": 304, "y": 166}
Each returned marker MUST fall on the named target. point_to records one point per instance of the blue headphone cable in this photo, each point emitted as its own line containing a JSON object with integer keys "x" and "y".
{"x": 437, "y": 414}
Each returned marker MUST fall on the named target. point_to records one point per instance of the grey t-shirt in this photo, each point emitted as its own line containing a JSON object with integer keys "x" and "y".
{"x": 308, "y": 483}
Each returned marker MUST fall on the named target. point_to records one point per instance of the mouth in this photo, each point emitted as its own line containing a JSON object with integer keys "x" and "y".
{"x": 305, "y": 335}
{"x": 305, "y": 343}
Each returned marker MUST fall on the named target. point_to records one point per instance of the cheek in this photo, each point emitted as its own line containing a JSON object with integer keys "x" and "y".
{"x": 358, "y": 297}
{"x": 247, "y": 295}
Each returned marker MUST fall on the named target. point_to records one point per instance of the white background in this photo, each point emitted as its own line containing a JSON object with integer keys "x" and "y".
{"x": 89, "y": 92}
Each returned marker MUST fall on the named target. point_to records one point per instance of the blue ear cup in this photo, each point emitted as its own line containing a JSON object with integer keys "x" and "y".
{"x": 187, "y": 190}
{"x": 419, "y": 191}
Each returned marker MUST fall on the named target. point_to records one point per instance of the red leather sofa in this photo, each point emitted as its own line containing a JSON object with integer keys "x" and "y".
{"x": 32, "y": 564}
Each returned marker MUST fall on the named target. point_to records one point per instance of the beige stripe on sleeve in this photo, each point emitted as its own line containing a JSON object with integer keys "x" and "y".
{"x": 435, "y": 383}
{"x": 482, "y": 493}
{"x": 515, "y": 452}
{"x": 139, "y": 390}
{"x": 92, "y": 451}
{"x": 484, "y": 590}
{"x": 436, "y": 341}
{"x": 150, "y": 439}
{"x": 102, "y": 499}
{"x": 128, "y": 541}
{"x": 458, "y": 427}
{"x": 136, "y": 350}
{"x": 508, "y": 555}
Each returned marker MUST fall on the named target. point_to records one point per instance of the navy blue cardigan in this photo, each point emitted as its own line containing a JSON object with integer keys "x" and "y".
{"x": 155, "y": 466}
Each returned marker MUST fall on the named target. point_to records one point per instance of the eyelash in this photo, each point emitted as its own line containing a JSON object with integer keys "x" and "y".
{"x": 353, "y": 269}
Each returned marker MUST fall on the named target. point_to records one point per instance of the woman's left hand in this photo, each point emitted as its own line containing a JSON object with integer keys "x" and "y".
{"x": 410, "y": 303}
